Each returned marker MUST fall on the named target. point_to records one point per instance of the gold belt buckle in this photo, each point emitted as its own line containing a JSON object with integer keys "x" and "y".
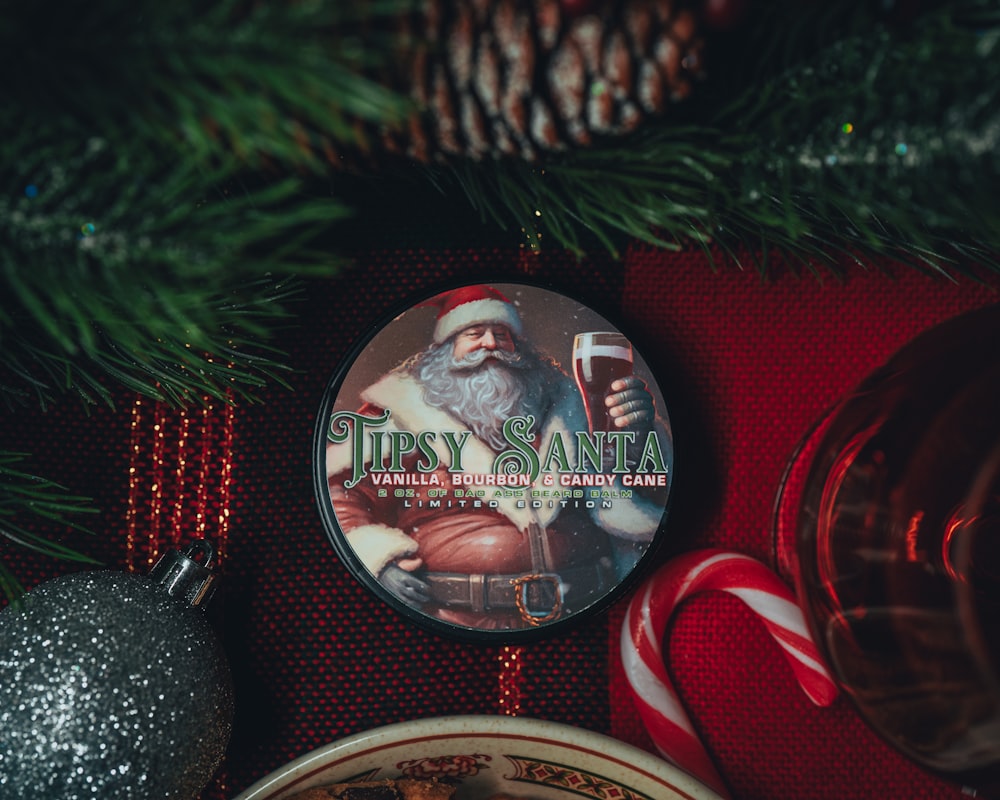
{"x": 521, "y": 584}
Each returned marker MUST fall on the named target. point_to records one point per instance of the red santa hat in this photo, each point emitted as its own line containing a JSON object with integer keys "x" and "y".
{"x": 472, "y": 305}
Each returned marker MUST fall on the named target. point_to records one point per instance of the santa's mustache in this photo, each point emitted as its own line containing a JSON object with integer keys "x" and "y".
{"x": 476, "y": 358}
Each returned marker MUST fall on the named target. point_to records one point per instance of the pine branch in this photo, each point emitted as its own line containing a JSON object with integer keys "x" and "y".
{"x": 139, "y": 241}
{"x": 608, "y": 193}
{"x": 164, "y": 278}
{"x": 26, "y": 494}
{"x": 272, "y": 83}
{"x": 882, "y": 144}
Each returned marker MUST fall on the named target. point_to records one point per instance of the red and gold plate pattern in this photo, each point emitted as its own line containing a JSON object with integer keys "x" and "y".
{"x": 489, "y": 755}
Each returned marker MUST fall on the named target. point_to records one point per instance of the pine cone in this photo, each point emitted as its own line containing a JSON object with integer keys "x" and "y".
{"x": 525, "y": 77}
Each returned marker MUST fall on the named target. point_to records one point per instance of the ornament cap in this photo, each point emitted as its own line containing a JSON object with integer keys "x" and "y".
{"x": 184, "y": 576}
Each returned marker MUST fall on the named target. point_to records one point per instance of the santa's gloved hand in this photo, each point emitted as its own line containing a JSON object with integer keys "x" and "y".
{"x": 405, "y": 585}
{"x": 631, "y": 405}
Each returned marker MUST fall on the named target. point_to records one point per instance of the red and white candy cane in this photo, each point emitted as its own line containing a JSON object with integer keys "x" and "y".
{"x": 645, "y": 626}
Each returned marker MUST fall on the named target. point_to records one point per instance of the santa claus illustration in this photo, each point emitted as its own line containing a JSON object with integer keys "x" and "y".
{"x": 495, "y": 558}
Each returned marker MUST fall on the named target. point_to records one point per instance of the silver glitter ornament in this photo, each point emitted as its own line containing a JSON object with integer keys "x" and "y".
{"x": 114, "y": 686}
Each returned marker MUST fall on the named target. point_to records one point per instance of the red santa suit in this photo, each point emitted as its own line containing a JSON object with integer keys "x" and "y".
{"x": 496, "y": 561}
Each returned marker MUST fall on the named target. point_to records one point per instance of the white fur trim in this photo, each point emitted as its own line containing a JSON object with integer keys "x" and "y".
{"x": 476, "y": 312}
{"x": 566, "y": 417}
{"x": 634, "y": 520}
{"x": 379, "y": 545}
{"x": 637, "y": 519}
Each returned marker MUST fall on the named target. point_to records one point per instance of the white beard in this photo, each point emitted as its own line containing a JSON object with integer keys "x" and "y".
{"x": 485, "y": 388}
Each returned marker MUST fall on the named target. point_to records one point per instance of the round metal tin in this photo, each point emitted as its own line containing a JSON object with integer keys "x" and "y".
{"x": 463, "y": 478}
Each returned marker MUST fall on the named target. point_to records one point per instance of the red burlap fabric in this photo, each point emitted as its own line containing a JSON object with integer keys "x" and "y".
{"x": 746, "y": 366}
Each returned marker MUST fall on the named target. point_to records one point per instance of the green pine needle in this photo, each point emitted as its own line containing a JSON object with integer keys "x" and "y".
{"x": 23, "y": 494}
{"x": 167, "y": 279}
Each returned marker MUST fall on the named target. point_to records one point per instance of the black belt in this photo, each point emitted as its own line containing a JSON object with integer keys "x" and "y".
{"x": 538, "y": 596}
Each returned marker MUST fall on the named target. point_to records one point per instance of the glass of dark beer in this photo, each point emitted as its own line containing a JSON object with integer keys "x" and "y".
{"x": 599, "y": 359}
{"x": 896, "y": 549}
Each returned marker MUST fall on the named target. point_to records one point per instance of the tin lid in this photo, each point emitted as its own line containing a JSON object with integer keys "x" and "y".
{"x": 495, "y": 462}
